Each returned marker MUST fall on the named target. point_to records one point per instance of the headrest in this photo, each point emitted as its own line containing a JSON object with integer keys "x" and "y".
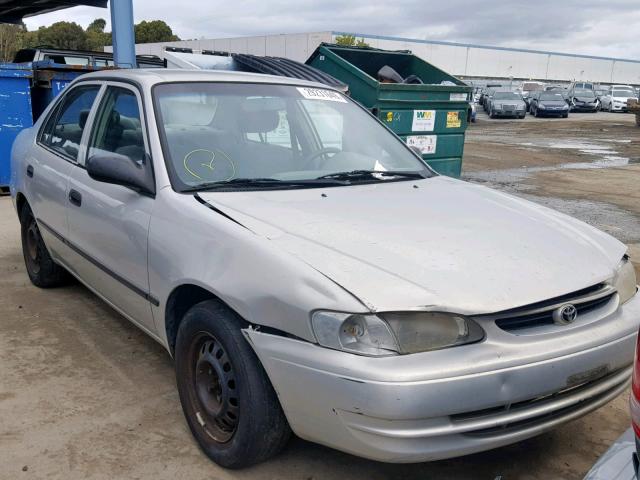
{"x": 82, "y": 119}
{"x": 261, "y": 121}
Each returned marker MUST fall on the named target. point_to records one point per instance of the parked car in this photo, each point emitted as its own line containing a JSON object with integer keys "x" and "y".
{"x": 600, "y": 92}
{"x": 549, "y": 104}
{"x": 506, "y": 104}
{"x": 528, "y": 89}
{"x": 582, "y": 101}
{"x": 307, "y": 271}
{"x": 616, "y": 99}
{"x": 620, "y": 461}
{"x": 471, "y": 112}
{"x": 582, "y": 86}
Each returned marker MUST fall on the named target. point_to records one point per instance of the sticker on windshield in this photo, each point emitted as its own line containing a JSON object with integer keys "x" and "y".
{"x": 321, "y": 94}
{"x": 457, "y": 97}
{"x": 426, "y": 143}
{"x": 423, "y": 120}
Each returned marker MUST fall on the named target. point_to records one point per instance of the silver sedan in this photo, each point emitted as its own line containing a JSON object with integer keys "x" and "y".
{"x": 309, "y": 273}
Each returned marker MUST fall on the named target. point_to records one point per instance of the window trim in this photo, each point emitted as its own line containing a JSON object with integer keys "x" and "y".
{"x": 55, "y": 111}
{"x": 136, "y": 89}
{"x": 84, "y": 155}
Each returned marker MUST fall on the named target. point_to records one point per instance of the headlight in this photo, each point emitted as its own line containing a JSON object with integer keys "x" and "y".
{"x": 565, "y": 107}
{"x": 541, "y": 106}
{"x": 393, "y": 333}
{"x": 624, "y": 280}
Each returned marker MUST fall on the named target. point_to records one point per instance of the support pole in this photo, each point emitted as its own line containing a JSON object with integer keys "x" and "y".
{"x": 124, "y": 43}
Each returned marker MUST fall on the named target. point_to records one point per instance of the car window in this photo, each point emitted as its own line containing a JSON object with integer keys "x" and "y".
{"x": 65, "y": 126}
{"x": 214, "y": 132}
{"x": 328, "y": 122}
{"x": 117, "y": 128}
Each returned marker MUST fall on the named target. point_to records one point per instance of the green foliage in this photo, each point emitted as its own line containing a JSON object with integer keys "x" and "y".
{"x": 350, "y": 41}
{"x": 70, "y": 35}
{"x": 10, "y": 40}
{"x": 154, "y": 31}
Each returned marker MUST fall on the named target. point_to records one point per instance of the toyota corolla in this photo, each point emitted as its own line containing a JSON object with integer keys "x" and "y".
{"x": 309, "y": 273}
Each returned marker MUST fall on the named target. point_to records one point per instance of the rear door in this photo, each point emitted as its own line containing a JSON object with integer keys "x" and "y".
{"x": 53, "y": 157}
{"x": 109, "y": 223}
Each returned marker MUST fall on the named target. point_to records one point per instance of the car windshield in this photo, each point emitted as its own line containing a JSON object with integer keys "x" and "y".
{"x": 623, "y": 93}
{"x": 507, "y": 96}
{"x": 549, "y": 96}
{"x": 277, "y": 136}
{"x": 584, "y": 93}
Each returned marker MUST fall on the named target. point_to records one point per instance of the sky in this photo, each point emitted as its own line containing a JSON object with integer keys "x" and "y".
{"x": 608, "y": 28}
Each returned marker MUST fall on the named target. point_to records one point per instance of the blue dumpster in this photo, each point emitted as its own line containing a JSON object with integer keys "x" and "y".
{"x": 15, "y": 112}
{"x": 25, "y": 91}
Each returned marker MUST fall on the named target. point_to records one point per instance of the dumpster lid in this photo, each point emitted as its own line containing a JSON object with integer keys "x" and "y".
{"x": 285, "y": 67}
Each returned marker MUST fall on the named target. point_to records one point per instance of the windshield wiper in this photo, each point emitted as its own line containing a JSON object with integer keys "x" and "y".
{"x": 371, "y": 174}
{"x": 262, "y": 182}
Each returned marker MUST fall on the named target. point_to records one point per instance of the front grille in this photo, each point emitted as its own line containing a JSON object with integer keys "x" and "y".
{"x": 541, "y": 313}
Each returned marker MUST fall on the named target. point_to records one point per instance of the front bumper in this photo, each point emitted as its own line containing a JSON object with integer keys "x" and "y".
{"x": 509, "y": 113}
{"x": 447, "y": 403}
{"x": 584, "y": 107}
{"x": 552, "y": 112}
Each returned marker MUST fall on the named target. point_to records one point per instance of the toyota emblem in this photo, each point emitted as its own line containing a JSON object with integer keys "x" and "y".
{"x": 565, "y": 315}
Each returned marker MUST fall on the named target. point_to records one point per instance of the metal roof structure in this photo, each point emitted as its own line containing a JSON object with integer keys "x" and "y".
{"x": 13, "y": 11}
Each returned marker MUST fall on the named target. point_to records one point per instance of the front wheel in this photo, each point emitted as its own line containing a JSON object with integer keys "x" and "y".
{"x": 227, "y": 399}
{"x": 42, "y": 270}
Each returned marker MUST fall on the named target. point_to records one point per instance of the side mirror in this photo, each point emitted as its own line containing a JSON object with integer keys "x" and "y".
{"x": 122, "y": 170}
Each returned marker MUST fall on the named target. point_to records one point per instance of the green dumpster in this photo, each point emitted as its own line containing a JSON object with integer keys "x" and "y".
{"x": 431, "y": 115}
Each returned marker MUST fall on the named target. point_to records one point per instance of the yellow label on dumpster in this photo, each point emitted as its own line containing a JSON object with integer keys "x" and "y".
{"x": 389, "y": 116}
{"x": 453, "y": 120}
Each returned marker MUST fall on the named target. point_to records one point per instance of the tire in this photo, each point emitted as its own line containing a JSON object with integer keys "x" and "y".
{"x": 238, "y": 421}
{"x": 566, "y": 115}
{"x": 42, "y": 270}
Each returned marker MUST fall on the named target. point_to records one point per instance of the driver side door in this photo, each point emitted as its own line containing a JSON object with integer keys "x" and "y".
{"x": 109, "y": 223}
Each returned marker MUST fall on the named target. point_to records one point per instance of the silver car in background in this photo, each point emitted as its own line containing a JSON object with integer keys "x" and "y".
{"x": 309, "y": 273}
{"x": 507, "y": 104}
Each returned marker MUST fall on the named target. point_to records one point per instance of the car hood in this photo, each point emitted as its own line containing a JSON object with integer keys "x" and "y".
{"x": 553, "y": 103}
{"x": 586, "y": 99}
{"x": 438, "y": 243}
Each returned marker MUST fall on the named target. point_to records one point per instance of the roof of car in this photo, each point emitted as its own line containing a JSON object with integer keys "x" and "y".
{"x": 151, "y": 76}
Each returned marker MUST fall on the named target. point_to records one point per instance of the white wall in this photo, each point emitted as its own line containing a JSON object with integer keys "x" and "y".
{"x": 459, "y": 60}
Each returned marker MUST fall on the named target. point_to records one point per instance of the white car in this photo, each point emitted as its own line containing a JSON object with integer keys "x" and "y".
{"x": 616, "y": 99}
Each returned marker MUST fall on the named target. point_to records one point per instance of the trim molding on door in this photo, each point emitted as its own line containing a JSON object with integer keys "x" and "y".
{"x": 147, "y": 296}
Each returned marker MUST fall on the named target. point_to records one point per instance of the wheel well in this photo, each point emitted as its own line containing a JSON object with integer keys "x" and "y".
{"x": 21, "y": 201}
{"x": 180, "y": 301}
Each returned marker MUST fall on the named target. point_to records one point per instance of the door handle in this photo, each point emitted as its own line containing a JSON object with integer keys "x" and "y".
{"x": 75, "y": 198}
{"x": 30, "y": 171}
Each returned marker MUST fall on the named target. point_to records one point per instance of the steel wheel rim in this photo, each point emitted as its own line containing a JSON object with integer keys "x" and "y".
{"x": 215, "y": 395}
{"x": 33, "y": 250}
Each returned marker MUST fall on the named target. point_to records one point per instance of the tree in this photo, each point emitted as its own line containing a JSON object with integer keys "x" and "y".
{"x": 96, "y": 36}
{"x": 350, "y": 41}
{"x": 97, "y": 25}
{"x": 10, "y": 41}
{"x": 68, "y": 35}
{"x": 154, "y": 31}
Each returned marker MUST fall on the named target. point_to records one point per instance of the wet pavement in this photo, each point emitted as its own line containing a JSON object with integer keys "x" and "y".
{"x": 535, "y": 150}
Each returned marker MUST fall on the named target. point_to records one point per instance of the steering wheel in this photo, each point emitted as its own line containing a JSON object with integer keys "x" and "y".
{"x": 322, "y": 151}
